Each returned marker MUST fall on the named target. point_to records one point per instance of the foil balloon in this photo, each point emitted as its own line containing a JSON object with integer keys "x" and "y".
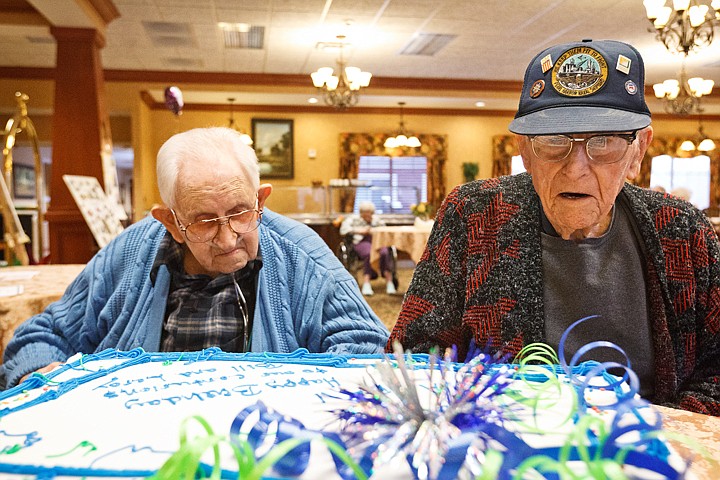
{"x": 174, "y": 100}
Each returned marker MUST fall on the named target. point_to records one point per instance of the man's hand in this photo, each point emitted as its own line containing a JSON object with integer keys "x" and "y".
{"x": 45, "y": 369}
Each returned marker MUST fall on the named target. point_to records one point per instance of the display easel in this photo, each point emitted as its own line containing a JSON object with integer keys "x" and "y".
{"x": 15, "y": 236}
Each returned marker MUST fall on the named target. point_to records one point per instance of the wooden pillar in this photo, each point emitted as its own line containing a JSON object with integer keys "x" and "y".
{"x": 80, "y": 128}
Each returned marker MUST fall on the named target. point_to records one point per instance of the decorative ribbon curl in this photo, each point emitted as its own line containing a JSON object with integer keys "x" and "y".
{"x": 263, "y": 429}
{"x": 472, "y": 424}
{"x": 475, "y": 419}
{"x": 289, "y": 443}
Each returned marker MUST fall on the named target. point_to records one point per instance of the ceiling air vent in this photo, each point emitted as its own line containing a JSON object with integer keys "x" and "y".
{"x": 427, "y": 44}
{"x": 242, "y": 35}
{"x": 169, "y": 34}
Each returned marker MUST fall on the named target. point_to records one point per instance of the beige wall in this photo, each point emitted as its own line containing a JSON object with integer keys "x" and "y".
{"x": 320, "y": 132}
{"x": 469, "y": 137}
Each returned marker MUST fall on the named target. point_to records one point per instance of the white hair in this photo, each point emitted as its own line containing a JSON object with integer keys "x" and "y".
{"x": 196, "y": 147}
{"x": 366, "y": 206}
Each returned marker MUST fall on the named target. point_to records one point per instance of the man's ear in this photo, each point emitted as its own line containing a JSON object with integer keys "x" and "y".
{"x": 644, "y": 138}
{"x": 263, "y": 193}
{"x": 166, "y": 217}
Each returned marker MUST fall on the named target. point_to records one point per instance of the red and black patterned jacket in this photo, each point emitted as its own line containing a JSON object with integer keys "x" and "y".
{"x": 481, "y": 277}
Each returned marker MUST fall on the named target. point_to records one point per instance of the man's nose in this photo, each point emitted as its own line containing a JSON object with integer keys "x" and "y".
{"x": 224, "y": 232}
{"x": 578, "y": 156}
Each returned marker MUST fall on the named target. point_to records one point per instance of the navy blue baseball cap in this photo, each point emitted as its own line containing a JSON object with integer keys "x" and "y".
{"x": 583, "y": 87}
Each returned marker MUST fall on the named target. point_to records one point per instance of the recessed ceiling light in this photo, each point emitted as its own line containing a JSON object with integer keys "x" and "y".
{"x": 237, "y": 27}
{"x": 312, "y": 100}
{"x": 480, "y": 104}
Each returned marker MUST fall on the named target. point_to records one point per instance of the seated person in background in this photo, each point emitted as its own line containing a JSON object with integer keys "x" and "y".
{"x": 518, "y": 259}
{"x": 360, "y": 227}
{"x": 212, "y": 268}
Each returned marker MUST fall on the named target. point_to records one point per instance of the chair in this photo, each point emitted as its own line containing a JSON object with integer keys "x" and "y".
{"x": 352, "y": 263}
{"x": 347, "y": 255}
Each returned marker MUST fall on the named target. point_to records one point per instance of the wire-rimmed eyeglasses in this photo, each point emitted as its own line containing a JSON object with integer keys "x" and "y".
{"x": 601, "y": 149}
{"x": 205, "y": 230}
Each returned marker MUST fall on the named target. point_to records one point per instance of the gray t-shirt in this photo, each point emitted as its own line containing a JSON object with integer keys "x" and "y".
{"x": 599, "y": 276}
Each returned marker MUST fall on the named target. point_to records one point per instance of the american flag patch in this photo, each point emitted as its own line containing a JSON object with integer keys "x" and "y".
{"x": 623, "y": 64}
{"x": 546, "y": 63}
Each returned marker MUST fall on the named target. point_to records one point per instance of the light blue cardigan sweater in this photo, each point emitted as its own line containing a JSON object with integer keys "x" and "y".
{"x": 305, "y": 299}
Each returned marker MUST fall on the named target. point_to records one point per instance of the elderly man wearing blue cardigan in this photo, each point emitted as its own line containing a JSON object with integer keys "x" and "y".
{"x": 212, "y": 267}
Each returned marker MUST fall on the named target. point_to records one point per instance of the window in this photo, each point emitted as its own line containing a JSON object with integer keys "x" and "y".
{"x": 692, "y": 174}
{"x": 392, "y": 183}
{"x": 517, "y": 165}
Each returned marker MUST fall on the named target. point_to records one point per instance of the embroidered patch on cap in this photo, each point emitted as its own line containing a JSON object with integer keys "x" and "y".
{"x": 537, "y": 88}
{"x": 623, "y": 64}
{"x": 546, "y": 63}
{"x": 579, "y": 72}
{"x": 631, "y": 87}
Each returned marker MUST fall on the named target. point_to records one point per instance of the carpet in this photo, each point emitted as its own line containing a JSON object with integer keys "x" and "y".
{"x": 385, "y": 306}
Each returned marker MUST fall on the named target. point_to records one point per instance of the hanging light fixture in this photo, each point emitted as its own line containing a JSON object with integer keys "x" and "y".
{"x": 340, "y": 88}
{"x": 682, "y": 97}
{"x": 702, "y": 143}
{"x": 706, "y": 144}
{"x": 402, "y": 139}
{"x": 685, "y": 27}
{"x": 247, "y": 139}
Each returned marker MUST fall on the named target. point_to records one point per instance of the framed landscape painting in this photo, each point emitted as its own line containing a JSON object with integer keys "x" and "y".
{"x": 273, "y": 142}
{"x": 23, "y": 181}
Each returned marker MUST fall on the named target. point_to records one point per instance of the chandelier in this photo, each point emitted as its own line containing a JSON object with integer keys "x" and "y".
{"x": 246, "y": 139}
{"x": 340, "y": 90}
{"x": 702, "y": 143}
{"x": 682, "y": 97}
{"x": 402, "y": 139}
{"x": 686, "y": 26}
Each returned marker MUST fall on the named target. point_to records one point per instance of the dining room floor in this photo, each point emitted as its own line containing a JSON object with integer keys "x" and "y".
{"x": 385, "y": 306}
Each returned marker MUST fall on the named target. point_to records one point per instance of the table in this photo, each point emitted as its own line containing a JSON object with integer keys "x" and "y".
{"x": 50, "y": 281}
{"x": 46, "y": 286}
{"x": 406, "y": 238}
{"x": 703, "y": 429}
{"x": 324, "y": 225}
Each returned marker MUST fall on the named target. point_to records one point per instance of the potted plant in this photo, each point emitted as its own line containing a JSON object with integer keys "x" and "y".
{"x": 470, "y": 171}
{"x": 422, "y": 211}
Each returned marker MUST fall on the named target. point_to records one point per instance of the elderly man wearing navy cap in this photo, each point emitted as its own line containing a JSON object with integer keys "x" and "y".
{"x": 520, "y": 259}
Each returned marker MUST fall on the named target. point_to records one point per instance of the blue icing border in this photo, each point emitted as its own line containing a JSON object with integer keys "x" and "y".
{"x": 139, "y": 356}
{"x": 300, "y": 356}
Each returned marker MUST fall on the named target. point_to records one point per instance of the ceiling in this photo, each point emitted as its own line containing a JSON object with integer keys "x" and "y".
{"x": 490, "y": 40}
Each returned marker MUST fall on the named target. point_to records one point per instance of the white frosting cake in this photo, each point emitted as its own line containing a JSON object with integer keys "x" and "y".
{"x": 125, "y": 414}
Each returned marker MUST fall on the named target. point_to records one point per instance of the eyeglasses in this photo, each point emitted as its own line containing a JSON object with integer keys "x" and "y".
{"x": 205, "y": 230}
{"x": 602, "y": 149}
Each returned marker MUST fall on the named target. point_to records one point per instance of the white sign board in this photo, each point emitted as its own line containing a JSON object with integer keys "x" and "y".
{"x": 97, "y": 209}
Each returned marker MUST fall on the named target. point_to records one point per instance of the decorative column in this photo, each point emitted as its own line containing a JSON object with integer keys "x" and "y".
{"x": 80, "y": 128}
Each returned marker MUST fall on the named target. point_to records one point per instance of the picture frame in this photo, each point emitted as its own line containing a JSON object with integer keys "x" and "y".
{"x": 273, "y": 143}
{"x": 23, "y": 181}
